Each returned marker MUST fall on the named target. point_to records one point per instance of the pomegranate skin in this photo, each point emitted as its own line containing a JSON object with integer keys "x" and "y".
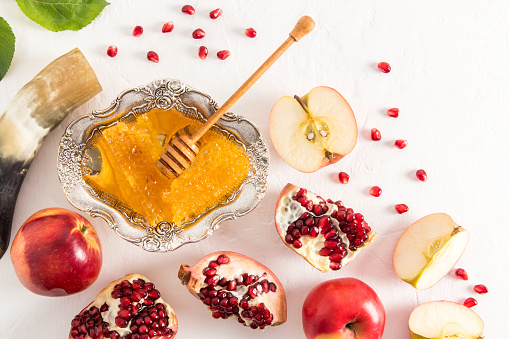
{"x": 56, "y": 252}
{"x": 343, "y": 308}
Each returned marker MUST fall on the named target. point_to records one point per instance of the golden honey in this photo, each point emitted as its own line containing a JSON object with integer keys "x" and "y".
{"x": 130, "y": 151}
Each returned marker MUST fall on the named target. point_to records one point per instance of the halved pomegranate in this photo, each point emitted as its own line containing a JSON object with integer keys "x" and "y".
{"x": 130, "y": 308}
{"x": 325, "y": 233}
{"x": 232, "y": 285}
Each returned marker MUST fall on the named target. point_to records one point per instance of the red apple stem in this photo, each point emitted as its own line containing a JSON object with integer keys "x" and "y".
{"x": 299, "y": 100}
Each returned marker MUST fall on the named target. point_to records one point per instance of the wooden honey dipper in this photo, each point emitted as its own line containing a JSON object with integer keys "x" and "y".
{"x": 180, "y": 151}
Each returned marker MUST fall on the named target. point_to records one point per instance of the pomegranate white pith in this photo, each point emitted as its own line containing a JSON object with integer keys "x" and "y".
{"x": 320, "y": 239}
{"x": 128, "y": 308}
{"x": 233, "y": 285}
{"x": 313, "y": 131}
{"x": 445, "y": 319}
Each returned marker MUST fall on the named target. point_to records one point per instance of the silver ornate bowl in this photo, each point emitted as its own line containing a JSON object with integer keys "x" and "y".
{"x": 74, "y": 162}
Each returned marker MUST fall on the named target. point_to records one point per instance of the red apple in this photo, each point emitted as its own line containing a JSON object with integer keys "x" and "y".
{"x": 56, "y": 252}
{"x": 313, "y": 131}
{"x": 344, "y": 308}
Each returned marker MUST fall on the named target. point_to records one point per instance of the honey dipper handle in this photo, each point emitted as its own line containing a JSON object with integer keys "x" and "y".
{"x": 303, "y": 27}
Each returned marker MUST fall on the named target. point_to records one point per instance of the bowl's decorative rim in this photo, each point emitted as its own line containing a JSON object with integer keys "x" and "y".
{"x": 164, "y": 94}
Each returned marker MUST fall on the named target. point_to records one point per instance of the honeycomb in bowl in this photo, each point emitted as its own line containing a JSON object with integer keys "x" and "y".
{"x": 130, "y": 151}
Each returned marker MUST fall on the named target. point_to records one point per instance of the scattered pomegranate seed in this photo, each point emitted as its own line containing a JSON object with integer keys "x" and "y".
{"x": 250, "y": 32}
{"x": 168, "y": 27}
{"x": 393, "y": 112}
{"x": 223, "y": 54}
{"x": 384, "y": 67}
{"x": 198, "y": 33}
{"x": 401, "y": 208}
{"x": 470, "y": 302}
{"x": 421, "y": 175}
{"x": 152, "y": 56}
{"x": 112, "y": 51}
{"x": 375, "y": 191}
{"x": 343, "y": 177}
{"x": 400, "y": 143}
{"x": 203, "y": 52}
{"x": 481, "y": 289}
{"x": 375, "y": 135}
{"x": 461, "y": 274}
{"x": 188, "y": 9}
{"x": 215, "y": 13}
{"x": 137, "y": 31}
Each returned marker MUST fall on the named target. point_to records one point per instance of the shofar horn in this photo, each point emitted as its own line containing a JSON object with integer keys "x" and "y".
{"x": 37, "y": 108}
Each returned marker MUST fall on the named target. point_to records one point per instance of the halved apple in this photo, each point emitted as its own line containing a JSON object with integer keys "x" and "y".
{"x": 428, "y": 250}
{"x": 444, "y": 319}
{"x": 313, "y": 131}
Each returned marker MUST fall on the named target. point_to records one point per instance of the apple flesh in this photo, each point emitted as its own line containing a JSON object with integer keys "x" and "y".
{"x": 429, "y": 249}
{"x": 313, "y": 131}
{"x": 56, "y": 252}
{"x": 344, "y": 308}
{"x": 444, "y": 319}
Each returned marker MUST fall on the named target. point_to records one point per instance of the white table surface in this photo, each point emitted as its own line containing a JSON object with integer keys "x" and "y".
{"x": 449, "y": 78}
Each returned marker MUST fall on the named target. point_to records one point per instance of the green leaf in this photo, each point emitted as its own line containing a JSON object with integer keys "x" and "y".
{"x": 7, "y": 40}
{"x": 61, "y": 15}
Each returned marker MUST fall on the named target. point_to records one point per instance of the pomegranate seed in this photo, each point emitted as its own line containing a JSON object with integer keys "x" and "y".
{"x": 213, "y": 280}
{"x": 250, "y": 32}
{"x": 334, "y": 266}
{"x": 215, "y": 13}
{"x": 112, "y": 51}
{"x": 461, "y": 274}
{"x": 203, "y": 52}
{"x": 375, "y": 191}
{"x": 154, "y": 294}
{"x": 136, "y": 297}
{"x": 223, "y": 259}
{"x": 124, "y": 314}
{"x": 120, "y": 322}
{"x": 343, "y": 177}
{"x": 470, "y": 302}
{"x": 137, "y": 31}
{"x": 375, "y": 135}
{"x": 421, "y": 175}
{"x": 481, "y": 289}
{"x": 332, "y": 244}
{"x": 198, "y": 33}
{"x": 313, "y": 232}
{"x": 336, "y": 257}
{"x": 115, "y": 294}
{"x": 401, "y": 208}
{"x": 188, "y": 9}
{"x": 297, "y": 244}
{"x": 232, "y": 284}
{"x": 152, "y": 56}
{"x": 223, "y": 54}
{"x": 325, "y": 252}
{"x": 384, "y": 67}
{"x": 208, "y": 271}
{"x": 400, "y": 143}
{"x": 393, "y": 112}
{"x": 168, "y": 27}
